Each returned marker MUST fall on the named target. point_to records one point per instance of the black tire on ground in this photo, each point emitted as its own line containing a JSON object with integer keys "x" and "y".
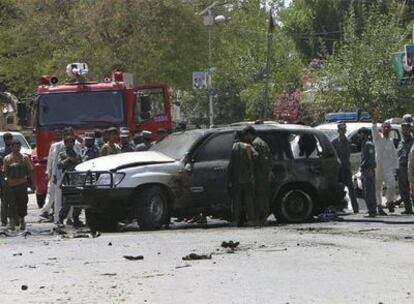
{"x": 152, "y": 208}
{"x": 99, "y": 221}
{"x": 40, "y": 199}
{"x": 295, "y": 206}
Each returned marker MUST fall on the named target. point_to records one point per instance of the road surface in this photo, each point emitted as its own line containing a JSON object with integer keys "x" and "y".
{"x": 356, "y": 260}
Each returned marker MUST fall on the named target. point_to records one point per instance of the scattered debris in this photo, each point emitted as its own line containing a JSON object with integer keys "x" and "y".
{"x": 183, "y": 266}
{"x": 26, "y": 233}
{"x": 328, "y": 215}
{"x": 17, "y": 254}
{"x": 109, "y": 244}
{"x": 195, "y": 256}
{"x": 42, "y": 287}
{"x": 408, "y": 237}
{"x": 229, "y": 244}
{"x": 52, "y": 259}
{"x": 108, "y": 274}
{"x": 24, "y": 287}
{"x": 368, "y": 230}
{"x": 134, "y": 258}
{"x": 60, "y": 231}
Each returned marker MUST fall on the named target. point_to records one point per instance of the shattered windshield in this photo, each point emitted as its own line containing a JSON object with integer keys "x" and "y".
{"x": 91, "y": 108}
{"x": 176, "y": 145}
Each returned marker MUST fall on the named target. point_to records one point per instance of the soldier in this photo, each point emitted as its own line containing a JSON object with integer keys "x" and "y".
{"x": 111, "y": 147}
{"x": 8, "y": 138}
{"x": 242, "y": 181}
{"x": 90, "y": 150}
{"x": 262, "y": 174}
{"x": 146, "y": 145}
{"x": 403, "y": 151}
{"x": 387, "y": 163}
{"x": 67, "y": 161}
{"x": 343, "y": 149}
{"x": 126, "y": 145}
{"x": 17, "y": 169}
{"x": 137, "y": 140}
{"x": 368, "y": 165}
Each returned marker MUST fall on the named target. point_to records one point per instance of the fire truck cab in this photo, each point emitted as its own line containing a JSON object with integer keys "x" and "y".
{"x": 85, "y": 106}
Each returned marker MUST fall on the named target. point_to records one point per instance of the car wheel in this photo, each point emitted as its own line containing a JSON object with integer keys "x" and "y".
{"x": 97, "y": 221}
{"x": 152, "y": 208}
{"x": 295, "y": 206}
{"x": 40, "y": 199}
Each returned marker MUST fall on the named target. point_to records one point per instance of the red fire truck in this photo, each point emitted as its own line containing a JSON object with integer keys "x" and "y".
{"x": 87, "y": 105}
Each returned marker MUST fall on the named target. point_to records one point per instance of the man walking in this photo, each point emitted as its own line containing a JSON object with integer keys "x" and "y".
{"x": 403, "y": 151}
{"x": 17, "y": 169}
{"x": 7, "y": 138}
{"x": 368, "y": 165}
{"x": 262, "y": 174}
{"x": 387, "y": 163}
{"x": 343, "y": 149}
{"x": 242, "y": 181}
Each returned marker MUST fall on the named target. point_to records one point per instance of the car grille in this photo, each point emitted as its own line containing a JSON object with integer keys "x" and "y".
{"x": 78, "y": 179}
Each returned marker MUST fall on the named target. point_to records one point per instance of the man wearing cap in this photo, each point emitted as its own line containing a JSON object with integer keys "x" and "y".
{"x": 368, "y": 165}
{"x": 403, "y": 151}
{"x": 8, "y": 138}
{"x": 17, "y": 169}
{"x": 67, "y": 161}
{"x": 111, "y": 147}
{"x": 90, "y": 150}
{"x": 343, "y": 149}
{"x": 126, "y": 145}
{"x": 146, "y": 144}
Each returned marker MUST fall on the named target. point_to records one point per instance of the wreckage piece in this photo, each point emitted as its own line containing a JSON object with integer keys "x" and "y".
{"x": 229, "y": 244}
{"x": 134, "y": 258}
{"x": 195, "y": 256}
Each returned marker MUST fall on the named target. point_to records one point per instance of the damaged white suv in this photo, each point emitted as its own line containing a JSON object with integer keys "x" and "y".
{"x": 186, "y": 174}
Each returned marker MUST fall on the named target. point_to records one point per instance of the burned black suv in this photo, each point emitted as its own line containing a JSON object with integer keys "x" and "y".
{"x": 187, "y": 173}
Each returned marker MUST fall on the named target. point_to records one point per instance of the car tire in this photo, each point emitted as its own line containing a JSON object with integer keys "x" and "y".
{"x": 40, "y": 199}
{"x": 97, "y": 221}
{"x": 295, "y": 206}
{"x": 152, "y": 208}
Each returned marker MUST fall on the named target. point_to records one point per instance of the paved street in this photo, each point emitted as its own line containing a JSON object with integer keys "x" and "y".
{"x": 352, "y": 261}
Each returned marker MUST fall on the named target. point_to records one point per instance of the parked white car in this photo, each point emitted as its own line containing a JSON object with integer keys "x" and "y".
{"x": 26, "y": 148}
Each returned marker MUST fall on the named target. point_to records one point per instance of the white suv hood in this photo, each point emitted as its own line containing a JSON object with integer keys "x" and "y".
{"x": 112, "y": 162}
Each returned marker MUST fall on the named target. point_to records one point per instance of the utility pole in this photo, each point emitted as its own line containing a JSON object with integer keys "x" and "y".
{"x": 209, "y": 21}
{"x": 265, "y": 109}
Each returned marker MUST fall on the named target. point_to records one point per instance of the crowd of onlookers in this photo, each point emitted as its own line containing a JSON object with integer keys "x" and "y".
{"x": 66, "y": 152}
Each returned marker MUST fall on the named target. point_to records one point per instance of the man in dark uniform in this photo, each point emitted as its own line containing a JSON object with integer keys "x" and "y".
{"x": 90, "y": 150}
{"x": 67, "y": 160}
{"x": 146, "y": 144}
{"x": 242, "y": 181}
{"x": 343, "y": 149}
{"x": 262, "y": 174}
{"x": 8, "y": 139}
{"x": 368, "y": 165}
{"x": 126, "y": 145}
{"x": 403, "y": 151}
{"x": 137, "y": 140}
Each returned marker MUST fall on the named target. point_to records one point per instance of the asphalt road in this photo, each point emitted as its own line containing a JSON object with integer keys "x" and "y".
{"x": 356, "y": 260}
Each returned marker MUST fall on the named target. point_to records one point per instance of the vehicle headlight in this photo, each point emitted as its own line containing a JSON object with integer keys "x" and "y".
{"x": 104, "y": 179}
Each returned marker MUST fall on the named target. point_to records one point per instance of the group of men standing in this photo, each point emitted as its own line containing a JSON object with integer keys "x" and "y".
{"x": 69, "y": 150}
{"x": 381, "y": 165}
{"x": 250, "y": 177}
